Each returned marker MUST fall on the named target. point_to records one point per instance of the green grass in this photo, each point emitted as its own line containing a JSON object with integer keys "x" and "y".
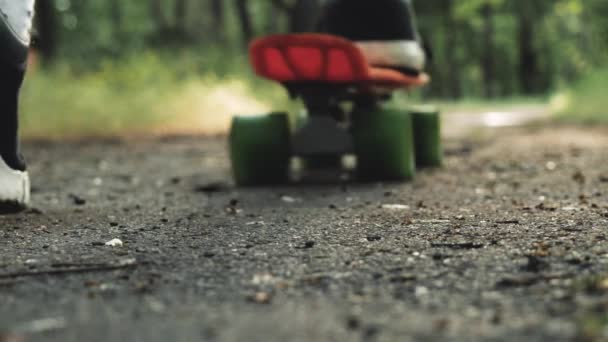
{"x": 593, "y": 322}
{"x": 184, "y": 92}
{"x": 474, "y": 105}
{"x": 484, "y": 105}
{"x": 144, "y": 94}
{"x": 586, "y": 102}
{"x": 593, "y": 327}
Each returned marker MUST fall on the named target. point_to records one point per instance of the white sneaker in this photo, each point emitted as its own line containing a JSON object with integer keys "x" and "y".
{"x": 14, "y": 189}
{"x": 15, "y": 24}
{"x": 16, "y": 18}
{"x": 384, "y": 30}
{"x": 404, "y": 54}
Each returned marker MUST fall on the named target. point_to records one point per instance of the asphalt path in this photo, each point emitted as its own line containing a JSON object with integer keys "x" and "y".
{"x": 148, "y": 240}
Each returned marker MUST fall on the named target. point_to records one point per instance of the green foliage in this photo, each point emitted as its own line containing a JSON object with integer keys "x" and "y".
{"x": 477, "y": 43}
{"x": 535, "y": 46}
{"x": 142, "y": 94}
{"x": 149, "y": 65}
{"x": 586, "y": 101}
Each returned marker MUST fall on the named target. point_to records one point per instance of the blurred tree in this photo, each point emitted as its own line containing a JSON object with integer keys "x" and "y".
{"x": 158, "y": 15}
{"x": 217, "y": 12}
{"x": 530, "y": 13}
{"x": 451, "y": 39}
{"x": 304, "y": 15}
{"x": 245, "y": 20}
{"x": 488, "y": 59}
{"x": 46, "y": 29}
{"x": 486, "y": 48}
{"x": 180, "y": 23}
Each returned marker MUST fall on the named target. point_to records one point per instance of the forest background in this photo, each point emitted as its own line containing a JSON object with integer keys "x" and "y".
{"x": 112, "y": 67}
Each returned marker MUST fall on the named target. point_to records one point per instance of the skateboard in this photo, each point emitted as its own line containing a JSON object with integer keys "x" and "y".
{"x": 347, "y": 112}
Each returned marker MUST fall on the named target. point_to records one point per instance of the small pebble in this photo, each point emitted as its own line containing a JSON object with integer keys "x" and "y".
{"x": 262, "y": 298}
{"x": 395, "y": 207}
{"x": 114, "y": 243}
{"x": 288, "y": 199}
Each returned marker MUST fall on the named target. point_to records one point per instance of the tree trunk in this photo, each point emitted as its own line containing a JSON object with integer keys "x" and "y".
{"x": 47, "y": 30}
{"x": 528, "y": 56}
{"x": 116, "y": 12}
{"x": 487, "y": 62}
{"x": 218, "y": 20}
{"x": 181, "y": 18}
{"x": 451, "y": 46}
{"x": 304, "y": 15}
{"x": 245, "y": 20}
{"x": 156, "y": 9}
{"x": 272, "y": 23}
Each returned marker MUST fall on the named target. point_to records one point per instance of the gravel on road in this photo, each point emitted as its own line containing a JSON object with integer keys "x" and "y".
{"x": 148, "y": 241}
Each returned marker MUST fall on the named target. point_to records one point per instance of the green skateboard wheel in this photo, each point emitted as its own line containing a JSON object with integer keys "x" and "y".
{"x": 260, "y": 149}
{"x": 384, "y": 145}
{"x": 427, "y": 136}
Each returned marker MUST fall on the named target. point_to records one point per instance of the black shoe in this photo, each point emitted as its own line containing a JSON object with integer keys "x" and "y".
{"x": 15, "y": 22}
{"x": 385, "y": 30}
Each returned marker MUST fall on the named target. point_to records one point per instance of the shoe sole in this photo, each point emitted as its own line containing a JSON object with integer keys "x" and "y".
{"x": 9, "y": 208}
{"x": 14, "y": 51}
{"x": 14, "y": 189}
{"x": 407, "y": 54}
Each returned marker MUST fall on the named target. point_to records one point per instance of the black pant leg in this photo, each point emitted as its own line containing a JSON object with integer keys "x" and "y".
{"x": 11, "y": 78}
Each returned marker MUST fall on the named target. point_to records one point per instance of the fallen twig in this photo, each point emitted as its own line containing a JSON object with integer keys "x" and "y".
{"x": 8, "y": 284}
{"x": 463, "y": 245}
{"x": 508, "y": 222}
{"x": 72, "y": 269}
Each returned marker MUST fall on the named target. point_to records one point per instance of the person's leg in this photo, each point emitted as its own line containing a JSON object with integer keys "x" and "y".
{"x": 15, "y": 25}
{"x": 384, "y": 29}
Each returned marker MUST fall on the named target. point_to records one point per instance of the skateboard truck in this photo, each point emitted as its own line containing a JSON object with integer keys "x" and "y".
{"x": 344, "y": 97}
